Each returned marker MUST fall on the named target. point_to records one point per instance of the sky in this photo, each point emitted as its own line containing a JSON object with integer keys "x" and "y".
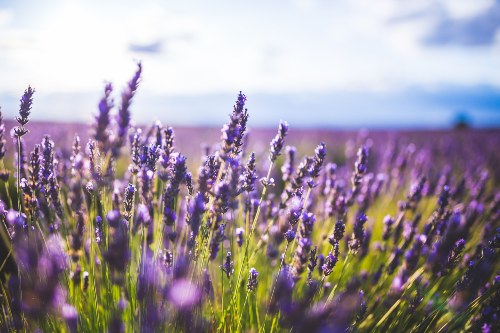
{"x": 315, "y": 63}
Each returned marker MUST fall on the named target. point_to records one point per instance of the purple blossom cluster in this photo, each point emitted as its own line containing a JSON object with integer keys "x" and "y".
{"x": 122, "y": 235}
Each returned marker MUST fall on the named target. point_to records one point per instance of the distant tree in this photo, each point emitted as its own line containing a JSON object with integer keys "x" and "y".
{"x": 461, "y": 121}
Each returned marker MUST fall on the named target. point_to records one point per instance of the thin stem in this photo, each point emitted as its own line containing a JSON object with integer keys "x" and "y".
{"x": 344, "y": 266}
{"x": 252, "y": 229}
{"x": 257, "y": 311}
{"x": 274, "y": 286}
{"x": 308, "y": 193}
{"x": 222, "y": 295}
{"x": 5, "y": 260}
{"x": 19, "y": 201}
{"x": 242, "y": 310}
{"x": 6, "y": 185}
{"x": 206, "y": 249}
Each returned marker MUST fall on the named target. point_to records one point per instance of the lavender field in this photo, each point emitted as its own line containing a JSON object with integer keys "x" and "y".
{"x": 119, "y": 228}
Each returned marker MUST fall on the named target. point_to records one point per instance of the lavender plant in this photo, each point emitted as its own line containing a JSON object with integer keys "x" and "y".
{"x": 398, "y": 239}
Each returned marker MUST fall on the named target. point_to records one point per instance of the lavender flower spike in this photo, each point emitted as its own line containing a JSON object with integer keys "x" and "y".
{"x": 123, "y": 117}
{"x": 360, "y": 168}
{"x": 249, "y": 176}
{"x": 24, "y": 112}
{"x": 288, "y": 167}
{"x": 358, "y": 233}
{"x": 4, "y": 174}
{"x": 252, "y": 279}
{"x": 2, "y": 136}
{"x": 233, "y": 133}
{"x": 319, "y": 158}
{"x": 228, "y": 266}
{"x": 278, "y": 141}
{"x": 239, "y": 236}
{"x": 330, "y": 262}
{"x": 25, "y": 106}
{"x": 360, "y": 165}
{"x": 102, "y": 118}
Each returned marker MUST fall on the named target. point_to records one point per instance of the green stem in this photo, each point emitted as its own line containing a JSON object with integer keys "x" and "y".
{"x": 257, "y": 311}
{"x": 274, "y": 287}
{"x": 222, "y": 295}
{"x": 344, "y": 266}
{"x": 242, "y": 310}
{"x": 6, "y": 184}
{"x": 252, "y": 229}
{"x": 294, "y": 244}
{"x": 19, "y": 201}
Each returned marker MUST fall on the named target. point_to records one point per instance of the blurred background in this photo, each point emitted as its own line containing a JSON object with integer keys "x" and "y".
{"x": 423, "y": 64}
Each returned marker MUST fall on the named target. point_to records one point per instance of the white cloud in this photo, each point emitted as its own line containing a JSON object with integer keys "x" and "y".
{"x": 467, "y": 8}
{"x": 266, "y": 47}
{"x": 5, "y": 17}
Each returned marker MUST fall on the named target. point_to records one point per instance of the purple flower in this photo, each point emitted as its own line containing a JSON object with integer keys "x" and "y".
{"x": 46, "y": 260}
{"x": 394, "y": 263}
{"x": 289, "y": 235}
{"x": 123, "y": 117}
{"x": 360, "y": 168}
{"x": 330, "y": 178}
{"x": 358, "y": 235}
{"x": 278, "y": 141}
{"x": 308, "y": 220}
{"x": 415, "y": 195}
{"x": 168, "y": 141}
{"x": 295, "y": 212}
{"x": 217, "y": 239}
{"x": 319, "y": 158}
{"x": 94, "y": 168}
{"x": 252, "y": 279}
{"x": 282, "y": 291}
{"x": 118, "y": 253}
{"x": 413, "y": 254}
{"x": 207, "y": 175}
{"x": 455, "y": 253}
{"x": 54, "y": 195}
{"x": 142, "y": 216}
{"x": 128, "y": 200}
{"x": 302, "y": 254}
{"x": 233, "y": 133}
{"x": 239, "y": 236}
{"x": 302, "y": 172}
{"x": 77, "y": 237}
{"x": 208, "y": 288}
{"x": 24, "y": 110}
{"x": 388, "y": 223}
{"x": 228, "y": 266}
{"x": 102, "y": 119}
{"x": 321, "y": 262}
{"x": 330, "y": 262}
{"x": 313, "y": 260}
{"x": 189, "y": 183}
{"x": 249, "y": 176}
{"x": 362, "y": 307}
{"x": 184, "y": 294}
{"x": 443, "y": 198}
{"x": 288, "y": 167}
{"x": 99, "y": 235}
{"x": 196, "y": 209}
{"x": 86, "y": 277}
{"x": 47, "y": 167}
{"x": 70, "y": 316}
{"x": 222, "y": 201}
{"x": 338, "y": 231}
{"x": 2, "y": 137}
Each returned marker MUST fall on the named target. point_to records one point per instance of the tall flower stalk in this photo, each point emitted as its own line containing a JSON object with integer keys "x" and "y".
{"x": 20, "y": 131}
